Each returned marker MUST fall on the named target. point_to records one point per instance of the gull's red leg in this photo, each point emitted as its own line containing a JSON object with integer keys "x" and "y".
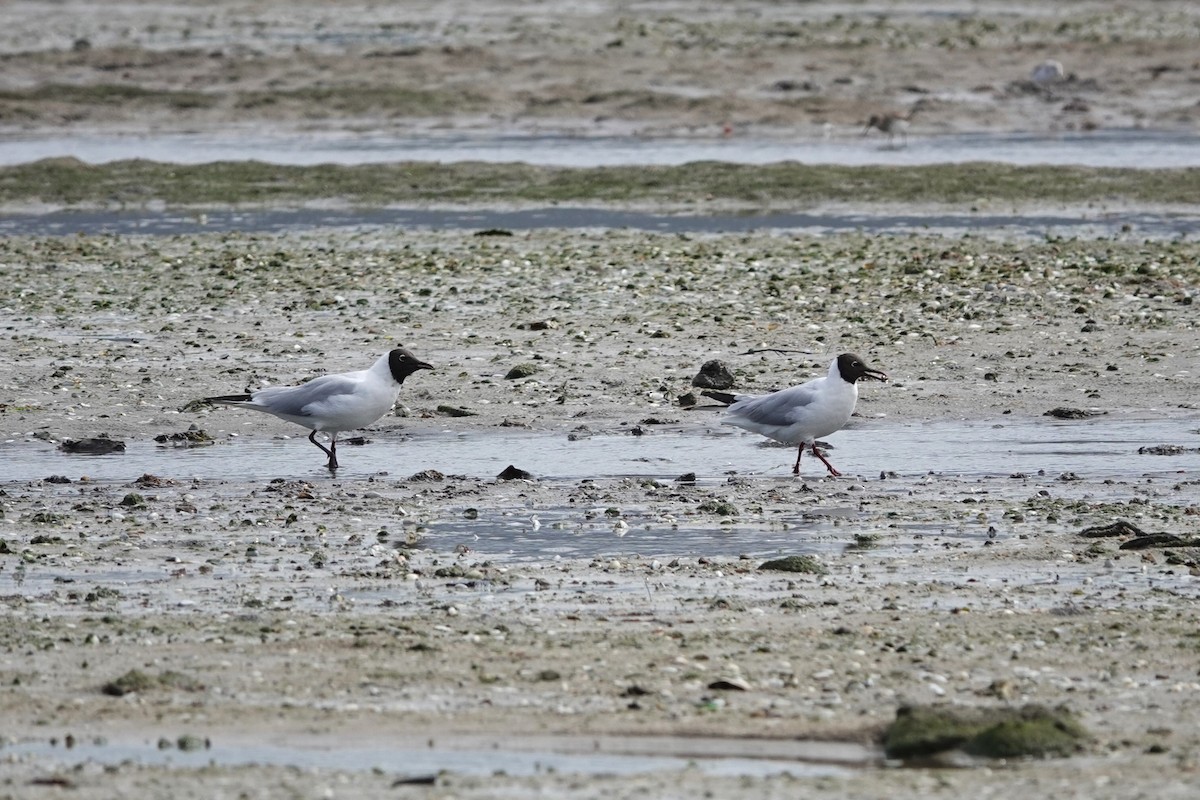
{"x": 824, "y": 461}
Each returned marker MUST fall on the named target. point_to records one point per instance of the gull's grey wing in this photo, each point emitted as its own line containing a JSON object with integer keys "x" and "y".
{"x": 296, "y": 401}
{"x": 778, "y": 408}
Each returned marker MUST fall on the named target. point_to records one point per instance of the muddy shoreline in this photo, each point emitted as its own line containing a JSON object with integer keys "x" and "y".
{"x": 385, "y": 599}
{"x": 393, "y": 604}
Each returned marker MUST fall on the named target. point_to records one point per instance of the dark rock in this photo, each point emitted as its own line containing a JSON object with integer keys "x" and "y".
{"x": 430, "y": 475}
{"x": 795, "y": 564}
{"x": 539, "y": 325}
{"x": 721, "y": 508}
{"x": 522, "y": 371}
{"x": 687, "y": 399}
{"x": 1062, "y": 412}
{"x": 189, "y": 742}
{"x": 1166, "y": 450}
{"x": 713, "y": 375}
{"x": 512, "y": 473}
{"x": 455, "y": 411}
{"x": 133, "y": 500}
{"x": 687, "y": 477}
{"x": 189, "y": 438}
{"x": 148, "y": 481}
{"x": 1159, "y": 540}
{"x": 98, "y": 446}
{"x": 493, "y": 232}
{"x": 132, "y": 681}
{"x": 1118, "y": 528}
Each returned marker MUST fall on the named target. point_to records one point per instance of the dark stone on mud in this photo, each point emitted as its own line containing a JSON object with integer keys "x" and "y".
{"x": 455, "y": 411}
{"x": 1166, "y": 450}
{"x": 1062, "y": 412}
{"x": 687, "y": 477}
{"x": 132, "y": 681}
{"x": 795, "y": 564}
{"x": 687, "y": 399}
{"x": 431, "y": 475}
{"x": 539, "y": 325}
{"x": 924, "y": 731}
{"x": 1118, "y": 528}
{"x": 189, "y": 438}
{"x": 57, "y": 479}
{"x": 713, "y": 375}
{"x": 512, "y": 473}
{"x": 133, "y": 500}
{"x": 98, "y": 446}
{"x": 148, "y": 481}
{"x": 521, "y": 371}
{"x": 493, "y": 232}
{"x": 1149, "y": 540}
{"x": 722, "y": 508}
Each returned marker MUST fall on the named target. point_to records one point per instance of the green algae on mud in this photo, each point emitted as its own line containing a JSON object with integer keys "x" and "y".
{"x": 30, "y": 102}
{"x": 70, "y": 182}
{"x": 1031, "y": 730}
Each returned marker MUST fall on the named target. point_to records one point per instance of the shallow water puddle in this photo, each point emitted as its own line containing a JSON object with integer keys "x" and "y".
{"x": 1142, "y": 149}
{"x": 248, "y": 220}
{"x": 1099, "y": 447}
{"x": 516, "y": 755}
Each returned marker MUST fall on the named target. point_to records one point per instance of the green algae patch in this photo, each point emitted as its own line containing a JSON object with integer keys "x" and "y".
{"x": 133, "y": 681}
{"x": 136, "y": 681}
{"x": 1032, "y": 730}
{"x": 69, "y": 182}
{"x": 806, "y": 564}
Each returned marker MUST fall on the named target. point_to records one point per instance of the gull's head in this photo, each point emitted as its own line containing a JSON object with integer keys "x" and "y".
{"x": 404, "y": 363}
{"x": 852, "y": 369}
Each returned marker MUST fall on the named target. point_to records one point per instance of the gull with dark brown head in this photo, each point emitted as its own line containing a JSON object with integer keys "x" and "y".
{"x": 334, "y": 403}
{"x": 800, "y": 414}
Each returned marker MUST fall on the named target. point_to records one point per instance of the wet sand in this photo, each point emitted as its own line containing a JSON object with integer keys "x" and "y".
{"x": 293, "y": 609}
{"x": 288, "y": 604}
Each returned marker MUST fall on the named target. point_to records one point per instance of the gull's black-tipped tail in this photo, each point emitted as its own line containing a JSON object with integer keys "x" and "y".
{"x": 724, "y": 398}
{"x": 228, "y": 398}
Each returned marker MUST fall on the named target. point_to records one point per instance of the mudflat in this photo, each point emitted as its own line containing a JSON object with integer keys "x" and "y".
{"x": 288, "y": 614}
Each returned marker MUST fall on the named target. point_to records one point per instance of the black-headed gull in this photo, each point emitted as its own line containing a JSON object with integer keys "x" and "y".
{"x": 334, "y": 403}
{"x": 800, "y": 414}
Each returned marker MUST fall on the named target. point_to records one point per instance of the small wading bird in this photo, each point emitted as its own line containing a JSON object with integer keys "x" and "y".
{"x": 800, "y": 414}
{"x": 890, "y": 123}
{"x": 334, "y": 403}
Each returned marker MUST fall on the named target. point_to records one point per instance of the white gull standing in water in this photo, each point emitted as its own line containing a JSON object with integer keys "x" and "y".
{"x": 334, "y": 403}
{"x": 800, "y": 414}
